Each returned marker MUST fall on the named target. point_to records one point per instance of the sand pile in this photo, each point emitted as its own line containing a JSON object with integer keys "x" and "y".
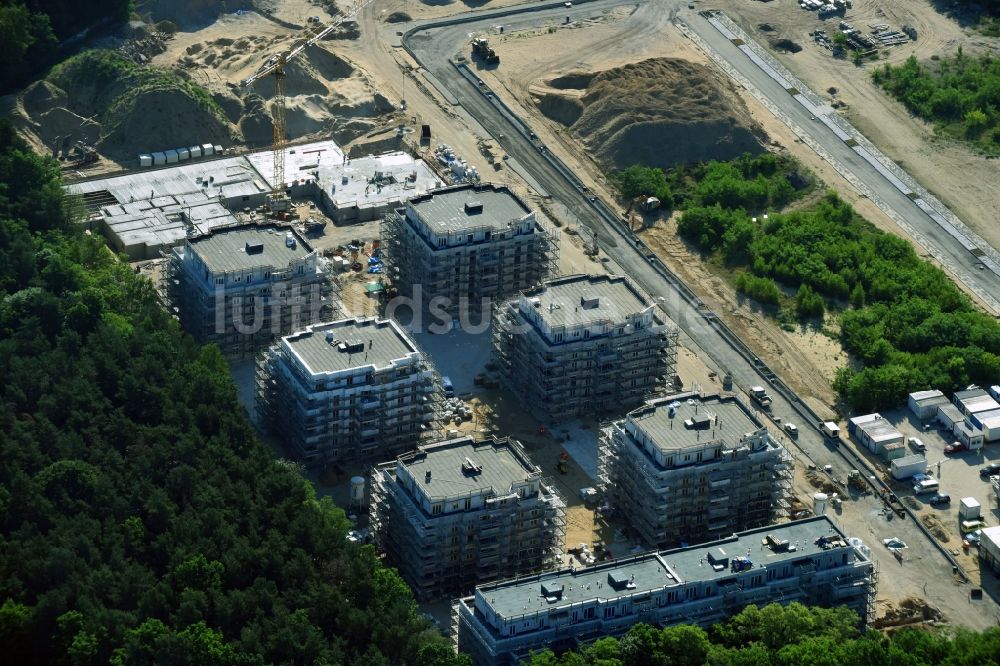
{"x": 398, "y": 17}
{"x": 190, "y": 13}
{"x": 658, "y": 112}
{"x": 158, "y": 119}
{"x": 104, "y": 100}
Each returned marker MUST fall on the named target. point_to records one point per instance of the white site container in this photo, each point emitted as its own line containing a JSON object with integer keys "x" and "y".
{"x": 172, "y": 156}
{"x": 145, "y": 160}
{"x": 969, "y": 509}
{"x": 195, "y": 151}
{"x": 207, "y": 149}
{"x": 183, "y": 154}
{"x": 159, "y": 159}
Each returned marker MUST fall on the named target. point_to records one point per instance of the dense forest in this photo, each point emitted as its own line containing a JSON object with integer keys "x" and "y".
{"x": 960, "y": 95}
{"x": 903, "y": 318}
{"x": 32, "y": 31}
{"x": 140, "y": 520}
{"x": 783, "y": 636}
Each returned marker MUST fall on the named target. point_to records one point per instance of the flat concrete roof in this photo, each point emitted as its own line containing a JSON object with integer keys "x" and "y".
{"x": 501, "y": 465}
{"x": 451, "y": 210}
{"x": 656, "y": 570}
{"x": 379, "y": 343}
{"x": 580, "y": 299}
{"x": 232, "y": 176}
{"x": 226, "y": 250}
{"x": 877, "y": 427}
{"x": 696, "y": 421}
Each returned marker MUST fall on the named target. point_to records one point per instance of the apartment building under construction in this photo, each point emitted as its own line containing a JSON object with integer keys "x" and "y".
{"x": 242, "y": 286}
{"x": 355, "y": 389}
{"x": 690, "y": 468}
{"x": 460, "y": 249}
{"x": 580, "y": 344}
{"x": 457, "y": 513}
{"x": 808, "y": 561}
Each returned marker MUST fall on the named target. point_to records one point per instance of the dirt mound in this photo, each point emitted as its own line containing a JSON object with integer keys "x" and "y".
{"x": 576, "y": 80}
{"x": 398, "y": 17}
{"x": 161, "y": 118}
{"x": 190, "y": 13}
{"x": 561, "y": 108}
{"x": 934, "y": 526}
{"x": 230, "y": 104}
{"x": 786, "y": 45}
{"x": 765, "y": 27}
{"x": 256, "y": 125}
{"x": 909, "y": 611}
{"x": 60, "y": 122}
{"x": 41, "y": 96}
{"x": 659, "y": 112}
{"x": 308, "y": 74}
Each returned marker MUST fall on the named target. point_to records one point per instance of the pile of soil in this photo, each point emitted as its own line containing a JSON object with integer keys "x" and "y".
{"x": 786, "y": 45}
{"x": 190, "y": 13}
{"x": 121, "y": 114}
{"x": 398, "y": 17}
{"x": 909, "y": 611}
{"x": 935, "y": 527}
{"x": 659, "y": 112}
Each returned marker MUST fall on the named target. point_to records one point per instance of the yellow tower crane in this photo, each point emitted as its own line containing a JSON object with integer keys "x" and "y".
{"x": 274, "y": 66}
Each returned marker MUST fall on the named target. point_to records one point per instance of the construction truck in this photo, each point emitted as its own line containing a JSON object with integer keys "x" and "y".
{"x": 481, "y": 49}
{"x": 759, "y": 395}
{"x": 80, "y": 155}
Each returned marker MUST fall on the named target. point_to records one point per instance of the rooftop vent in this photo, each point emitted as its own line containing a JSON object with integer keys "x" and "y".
{"x": 588, "y": 301}
{"x": 718, "y": 559}
{"x": 351, "y": 346}
{"x": 470, "y": 467}
{"x": 427, "y": 477}
{"x": 256, "y": 247}
{"x": 619, "y": 581}
{"x": 473, "y": 207}
{"x": 552, "y": 591}
{"x": 698, "y": 422}
{"x": 329, "y": 337}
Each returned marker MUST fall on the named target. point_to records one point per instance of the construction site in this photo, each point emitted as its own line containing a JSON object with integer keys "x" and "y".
{"x": 286, "y": 216}
{"x": 578, "y": 345}
{"x": 468, "y": 247}
{"x": 677, "y": 489}
{"x": 458, "y": 513}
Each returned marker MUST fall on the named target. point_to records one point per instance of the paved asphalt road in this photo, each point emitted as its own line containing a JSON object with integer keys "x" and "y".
{"x": 945, "y": 247}
{"x": 434, "y": 48}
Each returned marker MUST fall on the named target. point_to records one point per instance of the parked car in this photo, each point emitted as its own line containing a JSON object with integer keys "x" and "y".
{"x": 954, "y": 447}
{"x": 974, "y": 537}
{"x": 990, "y": 470}
{"x": 940, "y": 499}
{"x": 917, "y": 445}
{"x": 791, "y": 430}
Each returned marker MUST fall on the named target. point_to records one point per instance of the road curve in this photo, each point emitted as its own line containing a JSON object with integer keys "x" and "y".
{"x": 434, "y": 44}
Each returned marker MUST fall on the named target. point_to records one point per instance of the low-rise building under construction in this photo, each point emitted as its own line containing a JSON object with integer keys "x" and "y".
{"x": 242, "y": 286}
{"x": 460, "y": 512}
{"x": 455, "y": 248}
{"x": 580, "y": 344}
{"x": 690, "y": 468}
{"x": 355, "y": 389}
{"x": 809, "y": 561}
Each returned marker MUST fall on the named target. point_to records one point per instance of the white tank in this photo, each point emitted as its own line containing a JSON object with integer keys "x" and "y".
{"x": 819, "y": 504}
{"x": 357, "y": 490}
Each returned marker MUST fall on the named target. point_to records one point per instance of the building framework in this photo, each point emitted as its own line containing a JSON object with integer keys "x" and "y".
{"x": 355, "y": 389}
{"x": 580, "y": 345}
{"x": 468, "y": 246}
{"x": 808, "y": 561}
{"x": 242, "y": 286}
{"x": 457, "y": 513}
{"x": 690, "y": 468}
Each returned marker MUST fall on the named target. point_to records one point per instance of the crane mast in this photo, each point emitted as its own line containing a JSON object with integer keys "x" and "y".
{"x": 274, "y": 66}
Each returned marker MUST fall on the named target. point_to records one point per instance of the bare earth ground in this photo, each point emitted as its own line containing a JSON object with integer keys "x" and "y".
{"x": 965, "y": 181}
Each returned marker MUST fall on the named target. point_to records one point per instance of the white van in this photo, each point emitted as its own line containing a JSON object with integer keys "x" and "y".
{"x": 928, "y": 486}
